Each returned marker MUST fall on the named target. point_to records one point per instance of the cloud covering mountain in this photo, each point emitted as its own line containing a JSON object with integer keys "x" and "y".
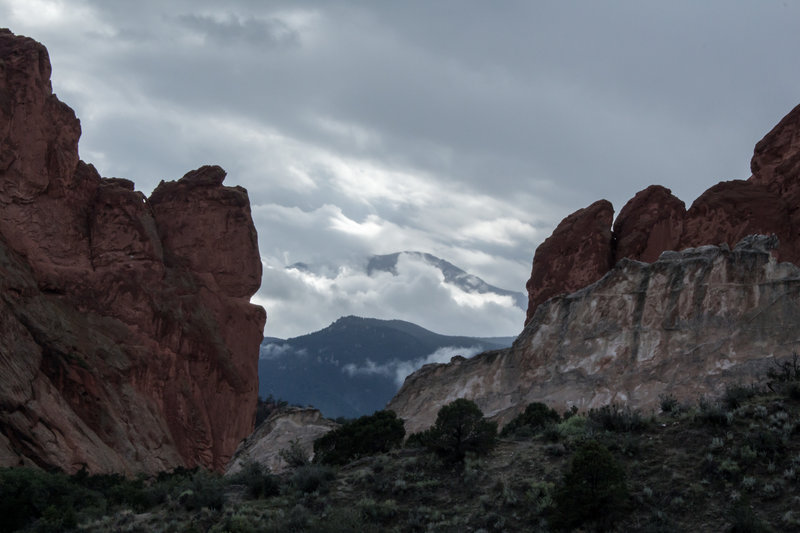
{"x": 408, "y": 286}
{"x": 461, "y": 129}
{"x": 355, "y": 365}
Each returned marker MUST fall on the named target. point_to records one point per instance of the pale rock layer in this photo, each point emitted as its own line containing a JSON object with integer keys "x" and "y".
{"x": 687, "y": 325}
{"x": 278, "y": 433}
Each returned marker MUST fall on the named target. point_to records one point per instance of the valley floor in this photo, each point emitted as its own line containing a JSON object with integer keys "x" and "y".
{"x": 727, "y": 465}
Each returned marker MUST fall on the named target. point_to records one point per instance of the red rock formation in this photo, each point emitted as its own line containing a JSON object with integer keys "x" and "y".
{"x": 129, "y": 343}
{"x": 776, "y": 158}
{"x": 651, "y": 222}
{"x": 776, "y": 166}
{"x": 688, "y": 325}
{"x": 730, "y": 210}
{"x": 576, "y": 254}
{"x": 655, "y": 221}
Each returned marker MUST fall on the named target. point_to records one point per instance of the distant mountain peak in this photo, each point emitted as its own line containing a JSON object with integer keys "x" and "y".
{"x": 452, "y": 274}
{"x": 353, "y": 366}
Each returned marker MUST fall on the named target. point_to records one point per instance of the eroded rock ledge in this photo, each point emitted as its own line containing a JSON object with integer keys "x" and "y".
{"x": 687, "y": 324}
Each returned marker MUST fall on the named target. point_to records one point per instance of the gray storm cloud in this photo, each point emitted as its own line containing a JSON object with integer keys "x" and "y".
{"x": 460, "y": 129}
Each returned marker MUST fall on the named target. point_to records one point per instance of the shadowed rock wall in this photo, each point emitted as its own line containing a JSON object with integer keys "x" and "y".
{"x": 128, "y": 340}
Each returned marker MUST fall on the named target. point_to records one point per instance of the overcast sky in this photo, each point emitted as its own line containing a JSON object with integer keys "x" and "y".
{"x": 467, "y": 130}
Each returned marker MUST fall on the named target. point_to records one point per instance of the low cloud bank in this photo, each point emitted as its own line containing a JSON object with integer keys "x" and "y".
{"x": 399, "y": 370}
{"x": 276, "y": 351}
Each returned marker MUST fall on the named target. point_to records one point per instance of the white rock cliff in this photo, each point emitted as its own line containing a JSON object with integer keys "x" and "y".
{"x": 688, "y": 325}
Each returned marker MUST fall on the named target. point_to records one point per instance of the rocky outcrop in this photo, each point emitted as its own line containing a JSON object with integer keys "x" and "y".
{"x": 730, "y": 210}
{"x": 655, "y": 221}
{"x": 687, "y": 324}
{"x": 128, "y": 340}
{"x": 648, "y": 320}
{"x": 651, "y": 222}
{"x": 276, "y": 434}
{"x": 576, "y": 254}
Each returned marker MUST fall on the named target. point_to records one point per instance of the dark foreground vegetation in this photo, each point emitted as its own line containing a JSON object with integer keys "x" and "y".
{"x": 727, "y": 464}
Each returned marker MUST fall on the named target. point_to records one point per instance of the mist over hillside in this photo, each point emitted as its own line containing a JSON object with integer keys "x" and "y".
{"x": 355, "y": 365}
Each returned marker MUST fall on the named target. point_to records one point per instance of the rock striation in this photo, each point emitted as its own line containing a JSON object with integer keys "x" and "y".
{"x": 129, "y": 342}
{"x": 687, "y": 324}
{"x": 582, "y": 249}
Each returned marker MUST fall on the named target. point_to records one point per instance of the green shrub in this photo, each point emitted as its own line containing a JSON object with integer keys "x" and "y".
{"x": 766, "y": 443}
{"x": 669, "y": 404}
{"x": 421, "y": 439}
{"x": 259, "y": 481}
{"x": 712, "y": 413}
{"x": 312, "y": 478}
{"x": 593, "y": 491}
{"x": 573, "y": 427}
{"x": 367, "y": 435}
{"x": 461, "y": 428}
{"x": 203, "y": 489}
{"x": 28, "y": 495}
{"x": 744, "y": 520}
{"x": 383, "y": 512}
{"x": 536, "y": 416}
{"x": 569, "y": 413}
{"x": 616, "y": 418}
{"x": 736, "y": 395}
{"x": 294, "y": 455}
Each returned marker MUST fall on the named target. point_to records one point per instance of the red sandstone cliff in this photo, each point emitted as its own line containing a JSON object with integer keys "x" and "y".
{"x": 583, "y": 247}
{"x": 128, "y": 340}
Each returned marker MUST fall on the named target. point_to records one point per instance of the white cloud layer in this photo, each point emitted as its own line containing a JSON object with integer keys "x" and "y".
{"x": 459, "y": 129}
{"x": 399, "y": 370}
{"x": 312, "y": 300}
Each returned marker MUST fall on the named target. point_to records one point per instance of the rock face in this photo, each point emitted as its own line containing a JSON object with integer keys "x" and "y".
{"x": 651, "y": 222}
{"x": 128, "y": 340}
{"x": 687, "y": 324}
{"x": 655, "y": 221}
{"x": 576, "y": 254}
{"x": 276, "y": 433}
